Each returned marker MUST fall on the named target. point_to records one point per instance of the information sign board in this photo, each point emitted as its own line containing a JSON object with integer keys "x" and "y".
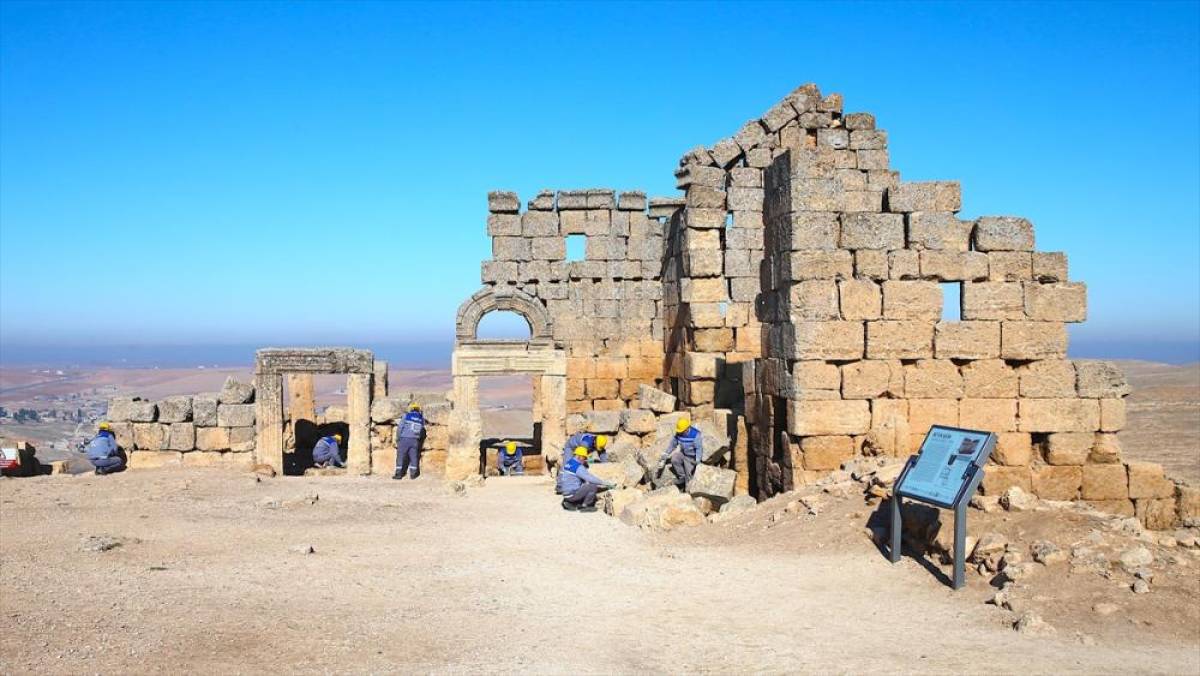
{"x": 945, "y": 466}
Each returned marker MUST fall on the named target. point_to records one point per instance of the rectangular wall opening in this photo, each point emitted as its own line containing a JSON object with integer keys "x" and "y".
{"x": 576, "y": 247}
{"x": 951, "y": 301}
{"x": 508, "y": 411}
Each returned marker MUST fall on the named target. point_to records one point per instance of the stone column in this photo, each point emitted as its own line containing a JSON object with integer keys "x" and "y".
{"x": 358, "y": 416}
{"x": 302, "y": 401}
{"x": 268, "y": 420}
{"x": 553, "y": 389}
{"x": 466, "y": 431}
{"x": 379, "y": 388}
{"x": 741, "y": 458}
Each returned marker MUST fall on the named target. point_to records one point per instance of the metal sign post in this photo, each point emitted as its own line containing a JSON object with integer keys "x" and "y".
{"x": 945, "y": 473}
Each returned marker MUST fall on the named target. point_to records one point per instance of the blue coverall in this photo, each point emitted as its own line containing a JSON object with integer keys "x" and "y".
{"x": 326, "y": 452}
{"x": 685, "y": 452}
{"x": 102, "y": 452}
{"x": 588, "y": 441}
{"x": 408, "y": 444}
{"x": 510, "y": 464}
{"x": 579, "y": 485}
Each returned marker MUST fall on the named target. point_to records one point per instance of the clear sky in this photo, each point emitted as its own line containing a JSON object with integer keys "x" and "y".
{"x": 294, "y": 173}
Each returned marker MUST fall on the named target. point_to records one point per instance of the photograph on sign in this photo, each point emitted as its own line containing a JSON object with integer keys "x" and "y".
{"x": 944, "y": 464}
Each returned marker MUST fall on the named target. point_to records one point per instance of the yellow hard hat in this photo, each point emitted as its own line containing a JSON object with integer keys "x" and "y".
{"x": 105, "y": 426}
{"x": 510, "y": 447}
{"x": 414, "y": 406}
{"x": 581, "y": 451}
{"x": 682, "y": 424}
{"x": 337, "y": 437}
{"x": 601, "y": 441}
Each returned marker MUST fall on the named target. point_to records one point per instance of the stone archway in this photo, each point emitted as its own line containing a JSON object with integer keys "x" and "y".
{"x": 473, "y": 358}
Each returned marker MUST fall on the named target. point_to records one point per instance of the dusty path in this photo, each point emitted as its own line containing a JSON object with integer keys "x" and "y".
{"x": 407, "y": 578}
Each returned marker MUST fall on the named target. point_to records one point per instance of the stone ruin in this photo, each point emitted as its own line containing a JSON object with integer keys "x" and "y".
{"x": 792, "y": 299}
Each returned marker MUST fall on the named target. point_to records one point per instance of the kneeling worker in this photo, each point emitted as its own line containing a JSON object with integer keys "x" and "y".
{"x": 510, "y": 460}
{"x": 102, "y": 451}
{"x": 408, "y": 442}
{"x": 327, "y": 454}
{"x": 578, "y": 484}
{"x": 596, "y": 444}
{"x": 684, "y": 452}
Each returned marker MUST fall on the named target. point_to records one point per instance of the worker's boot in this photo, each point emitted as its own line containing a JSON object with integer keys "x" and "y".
{"x": 589, "y": 508}
{"x": 570, "y": 506}
{"x": 399, "y": 474}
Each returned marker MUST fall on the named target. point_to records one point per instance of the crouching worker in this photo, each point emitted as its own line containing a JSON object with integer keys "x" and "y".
{"x": 510, "y": 460}
{"x": 597, "y": 448}
{"x": 408, "y": 442}
{"x": 102, "y": 451}
{"x": 579, "y": 485}
{"x": 327, "y": 452}
{"x": 684, "y": 452}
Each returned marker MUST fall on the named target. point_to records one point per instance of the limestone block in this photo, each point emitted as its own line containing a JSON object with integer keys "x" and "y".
{"x": 873, "y": 160}
{"x": 603, "y": 422}
{"x": 389, "y": 409}
{"x": 124, "y": 433}
{"x": 1056, "y": 302}
{"x": 818, "y": 264}
{"x": 1033, "y": 340}
{"x": 814, "y": 299}
{"x": 150, "y": 436}
{"x": 1156, "y": 514}
{"x": 1047, "y": 379}
{"x": 700, "y": 366}
{"x": 241, "y": 439}
{"x": 235, "y": 415}
{"x": 742, "y": 198}
{"x": 925, "y": 196}
{"x": 1117, "y": 507}
{"x": 814, "y": 375}
{"x": 1105, "y": 482}
{"x": 859, "y": 121}
{"x": 743, "y": 289}
{"x": 1050, "y": 266}
{"x": 503, "y": 202}
{"x": 924, "y": 413}
{"x": 175, "y": 409}
{"x": 992, "y": 300}
{"x": 120, "y": 409}
{"x": 989, "y": 379}
{"x": 637, "y": 421}
{"x": 827, "y": 340}
{"x": 938, "y": 231}
{"x": 154, "y": 459}
{"x": 993, "y": 415}
{"x": 826, "y": 452}
{"x": 745, "y": 177}
{"x": 997, "y": 479}
{"x": 1069, "y": 448}
{"x": 818, "y": 418}
{"x": 611, "y": 367}
{"x": 1112, "y": 415}
{"x": 654, "y": 399}
{"x": 1146, "y": 480}
{"x": 181, "y": 436}
{"x": 860, "y": 299}
{"x": 1106, "y": 450}
{"x": 1059, "y": 415}
{"x": 899, "y": 340}
{"x": 864, "y": 139}
{"x": 142, "y": 411}
{"x": 601, "y": 199}
{"x": 1013, "y": 449}
{"x": 1100, "y": 379}
{"x": 235, "y": 392}
{"x": 498, "y": 272}
{"x": 511, "y": 249}
{"x": 212, "y": 438}
{"x": 932, "y": 379}
{"x": 752, "y": 134}
{"x": 544, "y": 201}
{"x": 702, "y": 262}
{"x": 889, "y": 426}
{"x": 860, "y": 200}
{"x": 738, "y": 263}
{"x": 1057, "y": 483}
{"x": 713, "y": 483}
{"x": 872, "y": 231}
{"x": 547, "y": 248}
{"x": 608, "y": 388}
{"x": 967, "y": 340}
{"x": 703, "y": 290}
{"x": 1189, "y": 502}
{"x": 504, "y": 225}
{"x": 662, "y": 509}
{"x": 904, "y": 265}
{"x": 871, "y": 264}
{"x": 1003, "y": 233}
{"x": 871, "y": 378}
{"x": 704, "y": 197}
{"x": 838, "y": 139}
{"x": 953, "y": 266}
{"x": 713, "y": 340}
{"x": 1010, "y": 266}
{"x": 203, "y": 459}
{"x": 912, "y": 300}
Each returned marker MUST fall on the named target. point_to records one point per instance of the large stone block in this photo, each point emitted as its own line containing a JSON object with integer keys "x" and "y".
{"x": 989, "y": 379}
{"x": 967, "y": 340}
{"x": 236, "y": 392}
{"x": 1155, "y": 514}
{"x": 1047, "y": 379}
{"x": 912, "y": 300}
{"x": 654, "y": 399}
{"x": 388, "y": 409}
{"x": 954, "y": 266}
{"x": 998, "y": 479}
{"x": 993, "y": 415}
{"x": 1033, "y": 340}
{"x": 212, "y": 438}
{"x": 638, "y": 421}
{"x": 1112, "y": 415}
{"x": 235, "y": 415}
{"x": 932, "y": 379}
{"x": 1013, "y": 449}
{"x": 938, "y": 231}
{"x": 818, "y": 418}
{"x": 1105, "y": 482}
{"x": 1003, "y": 233}
{"x": 827, "y": 340}
{"x": 860, "y": 299}
{"x": 503, "y": 202}
{"x": 713, "y": 483}
{"x": 154, "y": 459}
{"x": 818, "y": 264}
{"x": 1059, "y": 415}
{"x": 1057, "y": 483}
{"x": 1010, "y": 266}
{"x": 992, "y": 300}
{"x": 181, "y": 436}
{"x": 1058, "y": 302}
{"x": 1106, "y": 450}
{"x": 872, "y": 231}
{"x": 175, "y": 409}
{"x": 150, "y": 436}
{"x": 504, "y": 225}
{"x": 1100, "y": 379}
{"x": 1069, "y": 448}
{"x": 925, "y": 196}
{"x": 204, "y": 410}
{"x": 925, "y": 413}
{"x": 703, "y": 290}
{"x": 900, "y": 340}
{"x": 814, "y": 299}
{"x": 1146, "y": 480}
{"x": 1050, "y": 266}
{"x": 826, "y": 452}
{"x": 547, "y": 248}
{"x": 241, "y": 439}
{"x": 870, "y": 379}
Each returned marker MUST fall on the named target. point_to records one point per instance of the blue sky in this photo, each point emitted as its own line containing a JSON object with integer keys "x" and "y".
{"x": 316, "y": 172}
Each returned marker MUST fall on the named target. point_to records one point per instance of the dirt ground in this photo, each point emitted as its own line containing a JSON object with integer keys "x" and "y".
{"x": 210, "y": 577}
